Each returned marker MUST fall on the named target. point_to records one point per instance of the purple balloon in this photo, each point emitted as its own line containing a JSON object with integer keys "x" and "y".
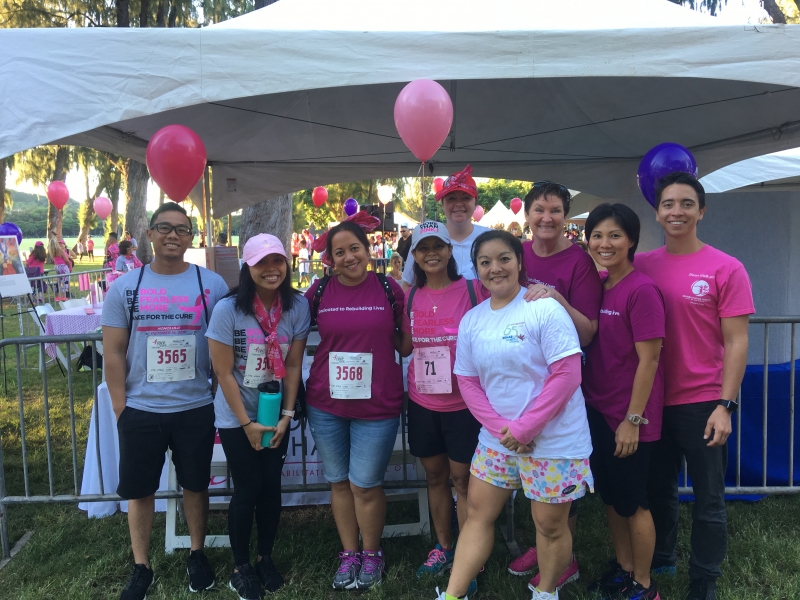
{"x": 659, "y": 162}
{"x": 11, "y": 229}
{"x": 350, "y": 207}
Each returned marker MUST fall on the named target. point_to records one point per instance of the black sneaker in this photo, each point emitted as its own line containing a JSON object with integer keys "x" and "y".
{"x": 613, "y": 583}
{"x": 138, "y": 583}
{"x": 201, "y": 575}
{"x": 245, "y": 583}
{"x": 268, "y": 574}
{"x": 702, "y": 589}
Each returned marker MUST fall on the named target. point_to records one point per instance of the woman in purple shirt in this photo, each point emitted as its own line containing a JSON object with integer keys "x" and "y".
{"x": 625, "y": 409}
{"x": 355, "y": 394}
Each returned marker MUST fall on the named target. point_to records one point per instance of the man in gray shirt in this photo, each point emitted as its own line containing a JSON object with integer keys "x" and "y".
{"x": 157, "y": 368}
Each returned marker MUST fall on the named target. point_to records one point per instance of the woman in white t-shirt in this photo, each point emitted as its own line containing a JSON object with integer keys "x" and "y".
{"x": 519, "y": 371}
{"x": 442, "y": 432}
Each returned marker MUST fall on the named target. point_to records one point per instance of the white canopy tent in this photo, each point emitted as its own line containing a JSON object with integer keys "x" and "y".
{"x": 779, "y": 171}
{"x": 301, "y": 93}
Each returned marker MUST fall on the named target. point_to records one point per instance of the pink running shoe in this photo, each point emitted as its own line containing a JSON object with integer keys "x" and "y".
{"x": 571, "y": 574}
{"x": 523, "y": 564}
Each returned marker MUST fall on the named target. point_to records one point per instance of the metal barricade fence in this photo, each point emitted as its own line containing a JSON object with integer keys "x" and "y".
{"x": 18, "y": 490}
{"x": 49, "y": 288}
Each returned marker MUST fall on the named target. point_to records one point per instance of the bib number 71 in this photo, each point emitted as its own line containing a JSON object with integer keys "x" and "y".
{"x": 349, "y": 373}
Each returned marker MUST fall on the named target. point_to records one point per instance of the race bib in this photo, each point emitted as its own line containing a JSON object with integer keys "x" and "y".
{"x": 256, "y": 372}
{"x": 170, "y": 357}
{"x": 350, "y": 375}
{"x": 432, "y": 372}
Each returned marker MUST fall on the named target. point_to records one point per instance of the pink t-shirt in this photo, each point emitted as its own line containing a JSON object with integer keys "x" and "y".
{"x": 32, "y": 263}
{"x": 698, "y": 289}
{"x": 632, "y": 311}
{"x": 571, "y": 272}
{"x": 430, "y": 329}
{"x": 357, "y": 319}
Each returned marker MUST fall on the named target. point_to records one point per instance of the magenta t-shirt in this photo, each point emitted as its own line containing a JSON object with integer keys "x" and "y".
{"x": 632, "y": 311}
{"x": 357, "y": 318}
{"x": 571, "y": 272}
{"x": 698, "y": 289}
{"x": 429, "y": 329}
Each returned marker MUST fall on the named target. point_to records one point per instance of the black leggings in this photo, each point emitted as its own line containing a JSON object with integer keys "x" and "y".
{"x": 257, "y": 489}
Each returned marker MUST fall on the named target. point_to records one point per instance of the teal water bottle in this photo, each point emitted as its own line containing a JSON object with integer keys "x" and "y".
{"x": 269, "y": 408}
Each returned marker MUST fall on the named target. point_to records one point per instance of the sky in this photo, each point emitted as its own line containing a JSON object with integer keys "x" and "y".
{"x": 735, "y": 12}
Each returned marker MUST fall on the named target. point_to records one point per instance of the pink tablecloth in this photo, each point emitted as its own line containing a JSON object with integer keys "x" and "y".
{"x": 71, "y": 320}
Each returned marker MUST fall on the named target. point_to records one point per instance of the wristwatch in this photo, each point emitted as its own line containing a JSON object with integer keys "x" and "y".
{"x": 636, "y": 419}
{"x": 731, "y": 405}
{"x": 287, "y": 413}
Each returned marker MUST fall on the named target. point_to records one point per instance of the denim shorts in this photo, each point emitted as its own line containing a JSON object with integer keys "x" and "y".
{"x": 354, "y": 449}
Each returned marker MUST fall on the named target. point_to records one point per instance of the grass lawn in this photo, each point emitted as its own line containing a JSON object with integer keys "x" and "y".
{"x": 71, "y": 556}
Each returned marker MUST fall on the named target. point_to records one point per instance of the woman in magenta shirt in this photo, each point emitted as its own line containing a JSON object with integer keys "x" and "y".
{"x": 442, "y": 432}
{"x": 555, "y": 266}
{"x": 355, "y": 394}
{"x": 624, "y": 389}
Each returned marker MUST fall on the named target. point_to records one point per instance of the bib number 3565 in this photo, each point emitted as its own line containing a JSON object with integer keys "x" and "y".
{"x": 165, "y": 357}
{"x": 170, "y": 357}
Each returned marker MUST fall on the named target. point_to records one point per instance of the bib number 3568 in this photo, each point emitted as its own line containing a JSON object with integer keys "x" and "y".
{"x": 350, "y": 375}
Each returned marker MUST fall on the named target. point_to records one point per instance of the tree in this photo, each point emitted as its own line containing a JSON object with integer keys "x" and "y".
{"x": 503, "y": 190}
{"x": 136, "y": 177}
{"x": 270, "y": 216}
{"x": 780, "y": 11}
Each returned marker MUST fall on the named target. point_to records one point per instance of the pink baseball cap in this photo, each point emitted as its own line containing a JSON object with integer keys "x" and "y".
{"x": 261, "y": 245}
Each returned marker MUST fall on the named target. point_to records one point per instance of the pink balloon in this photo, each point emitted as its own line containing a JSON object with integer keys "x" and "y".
{"x": 438, "y": 185}
{"x": 58, "y": 194}
{"x": 516, "y": 205}
{"x": 102, "y": 207}
{"x": 176, "y": 158}
{"x": 319, "y": 196}
{"x": 423, "y": 114}
{"x": 478, "y": 214}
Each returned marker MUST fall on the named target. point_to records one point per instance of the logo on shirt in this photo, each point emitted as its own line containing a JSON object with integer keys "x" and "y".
{"x": 607, "y": 311}
{"x": 512, "y": 334}
{"x": 700, "y": 288}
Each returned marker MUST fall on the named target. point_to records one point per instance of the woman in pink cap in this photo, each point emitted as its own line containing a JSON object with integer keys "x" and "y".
{"x": 257, "y": 333}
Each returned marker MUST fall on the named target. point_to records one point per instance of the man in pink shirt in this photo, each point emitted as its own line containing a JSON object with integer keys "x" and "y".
{"x": 708, "y": 298}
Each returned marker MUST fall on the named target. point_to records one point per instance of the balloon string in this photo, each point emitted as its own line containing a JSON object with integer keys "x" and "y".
{"x": 422, "y": 188}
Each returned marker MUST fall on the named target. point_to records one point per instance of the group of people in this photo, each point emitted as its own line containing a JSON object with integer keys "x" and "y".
{"x": 530, "y": 371}
{"x": 56, "y": 253}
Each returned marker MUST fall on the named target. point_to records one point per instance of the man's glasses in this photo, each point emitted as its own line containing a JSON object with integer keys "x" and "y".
{"x": 166, "y": 229}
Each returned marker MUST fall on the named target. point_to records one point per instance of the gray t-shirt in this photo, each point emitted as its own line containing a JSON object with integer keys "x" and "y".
{"x": 461, "y": 252}
{"x": 233, "y": 328}
{"x": 168, "y": 314}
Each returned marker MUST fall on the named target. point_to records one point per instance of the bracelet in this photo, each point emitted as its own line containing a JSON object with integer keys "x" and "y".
{"x": 287, "y": 413}
{"x": 250, "y": 422}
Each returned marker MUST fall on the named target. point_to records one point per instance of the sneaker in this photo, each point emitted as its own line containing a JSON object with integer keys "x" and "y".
{"x": 473, "y": 587}
{"x": 614, "y": 582}
{"x": 524, "y": 564}
{"x": 138, "y": 583}
{"x": 268, "y": 574}
{"x": 702, "y": 589}
{"x": 637, "y": 591}
{"x": 245, "y": 583}
{"x": 570, "y": 575}
{"x": 201, "y": 575}
{"x": 372, "y": 569}
{"x": 665, "y": 569}
{"x": 349, "y": 568}
{"x": 440, "y": 595}
{"x": 438, "y": 560}
{"x": 540, "y": 595}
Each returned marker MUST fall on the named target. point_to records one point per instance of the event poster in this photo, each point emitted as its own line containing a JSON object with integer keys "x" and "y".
{"x": 13, "y": 280}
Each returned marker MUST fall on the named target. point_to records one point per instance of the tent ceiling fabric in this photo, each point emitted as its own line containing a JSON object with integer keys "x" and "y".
{"x": 283, "y": 105}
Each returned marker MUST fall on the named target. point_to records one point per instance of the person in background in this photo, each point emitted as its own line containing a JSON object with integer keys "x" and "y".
{"x": 442, "y": 432}
{"x": 222, "y": 239}
{"x": 396, "y": 264}
{"x": 127, "y": 260}
{"x": 625, "y": 409}
{"x": 305, "y": 265}
{"x": 295, "y": 250}
{"x": 556, "y": 268}
{"x": 79, "y": 251}
{"x": 90, "y": 247}
{"x": 708, "y": 300}
{"x": 160, "y": 403}
{"x": 459, "y": 197}
{"x": 37, "y": 258}
{"x": 257, "y": 333}
{"x": 355, "y": 394}
{"x": 61, "y": 262}
{"x": 112, "y": 250}
{"x": 132, "y": 240}
{"x": 535, "y": 434}
{"x": 403, "y": 246}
